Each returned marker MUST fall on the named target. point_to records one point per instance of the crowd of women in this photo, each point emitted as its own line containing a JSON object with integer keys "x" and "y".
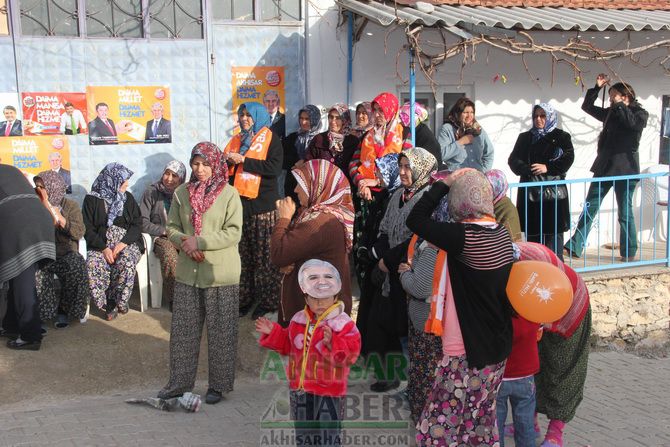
{"x": 427, "y": 228}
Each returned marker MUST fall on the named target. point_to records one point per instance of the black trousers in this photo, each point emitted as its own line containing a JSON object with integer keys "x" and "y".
{"x": 23, "y": 312}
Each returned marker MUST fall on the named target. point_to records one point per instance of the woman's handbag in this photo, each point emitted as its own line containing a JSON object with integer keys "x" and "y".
{"x": 550, "y": 192}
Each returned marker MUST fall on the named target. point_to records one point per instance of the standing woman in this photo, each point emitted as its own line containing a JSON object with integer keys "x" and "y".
{"x": 323, "y": 229}
{"x": 364, "y": 120}
{"x": 255, "y": 159}
{"x": 423, "y": 135}
{"x": 155, "y": 206}
{"x": 463, "y": 142}
{"x": 205, "y": 222}
{"x": 543, "y": 153}
{"x": 336, "y": 145}
{"x": 113, "y": 238}
{"x": 70, "y": 267}
{"x": 476, "y": 325}
{"x": 295, "y": 145}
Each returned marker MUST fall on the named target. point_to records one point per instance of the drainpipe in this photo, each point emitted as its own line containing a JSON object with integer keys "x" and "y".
{"x": 350, "y": 54}
{"x": 412, "y": 95}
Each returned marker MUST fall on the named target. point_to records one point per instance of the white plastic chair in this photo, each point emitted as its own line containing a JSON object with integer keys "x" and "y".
{"x": 155, "y": 273}
{"x": 82, "y": 251}
{"x": 143, "y": 273}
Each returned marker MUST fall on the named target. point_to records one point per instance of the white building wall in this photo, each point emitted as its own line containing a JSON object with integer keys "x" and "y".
{"x": 503, "y": 109}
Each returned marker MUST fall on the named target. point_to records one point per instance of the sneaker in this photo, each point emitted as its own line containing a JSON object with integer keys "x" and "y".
{"x": 109, "y": 316}
{"x": 7, "y": 334}
{"x": 19, "y": 344}
{"x": 61, "y": 321}
{"x": 213, "y": 397}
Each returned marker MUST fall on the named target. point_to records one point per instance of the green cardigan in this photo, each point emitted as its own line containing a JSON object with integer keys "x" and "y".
{"x": 219, "y": 239}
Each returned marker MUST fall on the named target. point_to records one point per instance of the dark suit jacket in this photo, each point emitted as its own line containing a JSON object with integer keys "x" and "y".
{"x": 278, "y": 125}
{"x": 67, "y": 178}
{"x": 163, "y": 133}
{"x": 98, "y": 133}
{"x": 17, "y": 129}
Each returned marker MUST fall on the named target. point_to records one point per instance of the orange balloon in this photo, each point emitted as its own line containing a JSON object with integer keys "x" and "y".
{"x": 539, "y": 291}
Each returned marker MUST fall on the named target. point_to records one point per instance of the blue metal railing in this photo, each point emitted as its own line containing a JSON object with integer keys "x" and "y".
{"x": 648, "y": 206}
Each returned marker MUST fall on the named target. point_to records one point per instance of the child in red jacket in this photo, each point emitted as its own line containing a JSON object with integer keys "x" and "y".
{"x": 322, "y": 342}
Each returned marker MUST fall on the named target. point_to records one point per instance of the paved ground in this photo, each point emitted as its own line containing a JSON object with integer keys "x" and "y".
{"x": 627, "y": 404}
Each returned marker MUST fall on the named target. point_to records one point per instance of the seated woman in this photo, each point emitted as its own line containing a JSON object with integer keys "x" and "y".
{"x": 70, "y": 266}
{"x": 336, "y": 145}
{"x": 114, "y": 239}
{"x": 323, "y": 229}
{"x": 155, "y": 206}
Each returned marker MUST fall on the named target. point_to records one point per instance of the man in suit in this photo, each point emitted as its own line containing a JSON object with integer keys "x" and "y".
{"x": 159, "y": 129}
{"x": 278, "y": 123}
{"x": 11, "y": 127}
{"x": 102, "y": 130}
{"x": 56, "y": 162}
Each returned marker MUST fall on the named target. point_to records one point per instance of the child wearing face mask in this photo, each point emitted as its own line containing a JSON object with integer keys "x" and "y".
{"x": 322, "y": 343}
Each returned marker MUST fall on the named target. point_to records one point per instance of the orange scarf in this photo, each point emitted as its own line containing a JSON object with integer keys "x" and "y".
{"x": 370, "y": 151}
{"x": 246, "y": 183}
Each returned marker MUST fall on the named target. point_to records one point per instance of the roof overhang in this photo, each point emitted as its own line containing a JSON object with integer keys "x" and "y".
{"x": 512, "y": 18}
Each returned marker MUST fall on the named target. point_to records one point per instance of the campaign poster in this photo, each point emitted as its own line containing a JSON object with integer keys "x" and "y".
{"x": 128, "y": 114}
{"x": 11, "y": 124}
{"x": 34, "y": 154}
{"x": 265, "y": 85}
{"x": 50, "y": 113}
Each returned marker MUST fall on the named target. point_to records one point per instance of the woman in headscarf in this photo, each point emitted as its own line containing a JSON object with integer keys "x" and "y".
{"x": 505, "y": 211}
{"x": 383, "y": 321}
{"x": 155, "y": 206}
{"x": 205, "y": 223}
{"x": 463, "y": 142}
{"x": 70, "y": 266}
{"x": 475, "y": 316}
{"x": 423, "y": 135}
{"x": 23, "y": 249}
{"x": 543, "y": 153}
{"x": 564, "y": 352}
{"x": 364, "y": 121}
{"x": 113, "y": 238}
{"x": 295, "y": 145}
{"x": 336, "y": 145}
{"x": 322, "y": 229}
{"x": 255, "y": 159}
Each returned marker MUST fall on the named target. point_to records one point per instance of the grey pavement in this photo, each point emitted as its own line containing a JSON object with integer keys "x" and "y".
{"x": 626, "y": 404}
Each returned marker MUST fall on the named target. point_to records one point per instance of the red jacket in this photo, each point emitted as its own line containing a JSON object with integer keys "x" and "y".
{"x": 523, "y": 361}
{"x": 325, "y": 371}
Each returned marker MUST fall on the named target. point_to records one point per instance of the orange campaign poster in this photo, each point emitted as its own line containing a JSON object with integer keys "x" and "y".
{"x": 34, "y": 154}
{"x": 265, "y": 85}
{"x": 128, "y": 114}
{"x": 47, "y": 113}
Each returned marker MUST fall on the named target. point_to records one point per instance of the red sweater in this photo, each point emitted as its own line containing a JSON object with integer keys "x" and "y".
{"x": 524, "y": 360}
{"x": 326, "y": 370}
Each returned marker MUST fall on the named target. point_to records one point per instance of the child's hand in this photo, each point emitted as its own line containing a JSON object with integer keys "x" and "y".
{"x": 327, "y": 336}
{"x": 404, "y": 267}
{"x": 264, "y": 326}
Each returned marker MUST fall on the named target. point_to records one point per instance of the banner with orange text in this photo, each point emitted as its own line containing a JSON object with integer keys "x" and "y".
{"x": 46, "y": 113}
{"x": 264, "y": 85}
{"x": 129, "y": 114}
{"x": 34, "y": 154}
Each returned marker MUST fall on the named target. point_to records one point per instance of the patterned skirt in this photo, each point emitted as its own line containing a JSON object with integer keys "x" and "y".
{"x": 461, "y": 407}
{"x": 425, "y": 353}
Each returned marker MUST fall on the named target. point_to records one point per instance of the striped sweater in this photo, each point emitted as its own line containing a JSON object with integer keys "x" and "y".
{"x": 480, "y": 260}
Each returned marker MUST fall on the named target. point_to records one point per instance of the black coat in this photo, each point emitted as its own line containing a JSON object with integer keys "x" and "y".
{"x": 620, "y": 138}
{"x": 526, "y": 153}
{"x": 98, "y": 133}
{"x": 425, "y": 138}
{"x": 95, "y": 220}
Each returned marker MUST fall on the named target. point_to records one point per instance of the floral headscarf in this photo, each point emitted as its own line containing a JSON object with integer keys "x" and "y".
{"x": 389, "y": 105}
{"x": 549, "y": 125}
{"x": 328, "y": 191}
{"x": 387, "y": 166}
{"x": 203, "y": 194}
{"x": 261, "y": 119}
{"x": 422, "y": 164}
{"x": 470, "y": 197}
{"x": 106, "y": 187}
{"x": 337, "y": 138}
{"x": 178, "y": 168}
{"x": 498, "y": 182}
{"x": 55, "y": 186}
{"x": 420, "y": 114}
{"x": 305, "y": 136}
{"x": 359, "y": 131}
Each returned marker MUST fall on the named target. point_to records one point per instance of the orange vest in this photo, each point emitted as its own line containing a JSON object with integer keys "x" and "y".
{"x": 369, "y": 154}
{"x": 246, "y": 183}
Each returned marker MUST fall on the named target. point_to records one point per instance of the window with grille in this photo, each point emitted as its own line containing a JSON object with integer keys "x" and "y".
{"x": 257, "y": 10}
{"x": 49, "y": 17}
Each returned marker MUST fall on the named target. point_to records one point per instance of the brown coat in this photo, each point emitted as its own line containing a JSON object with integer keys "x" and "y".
{"x": 67, "y": 239}
{"x": 320, "y": 238}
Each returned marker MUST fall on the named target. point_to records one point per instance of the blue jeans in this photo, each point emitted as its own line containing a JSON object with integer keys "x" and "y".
{"x": 623, "y": 190}
{"x": 521, "y": 393}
